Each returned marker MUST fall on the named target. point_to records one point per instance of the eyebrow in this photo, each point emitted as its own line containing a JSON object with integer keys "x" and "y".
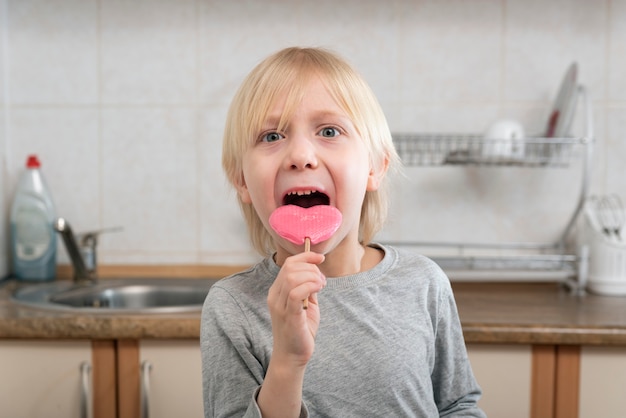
{"x": 272, "y": 121}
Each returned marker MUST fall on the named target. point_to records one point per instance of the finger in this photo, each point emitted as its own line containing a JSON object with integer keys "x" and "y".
{"x": 309, "y": 257}
{"x": 295, "y": 275}
{"x": 312, "y": 301}
{"x": 304, "y": 293}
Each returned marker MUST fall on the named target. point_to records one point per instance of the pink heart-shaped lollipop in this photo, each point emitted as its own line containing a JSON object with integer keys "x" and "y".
{"x": 295, "y": 223}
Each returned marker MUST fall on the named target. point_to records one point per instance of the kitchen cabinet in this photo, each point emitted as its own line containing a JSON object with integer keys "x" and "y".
{"x": 174, "y": 377}
{"x": 151, "y": 378}
{"x": 504, "y": 373}
{"x": 529, "y": 381}
{"x": 42, "y": 378}
{"x": 602, "y": 382}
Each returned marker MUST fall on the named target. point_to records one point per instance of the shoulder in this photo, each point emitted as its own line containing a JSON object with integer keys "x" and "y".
{"x": 257, "y": 278}
{"x": 241, "y": 292}
{"x": 411, "y": 264}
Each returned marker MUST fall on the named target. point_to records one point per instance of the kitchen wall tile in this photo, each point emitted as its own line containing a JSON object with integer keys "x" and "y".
{"x": 3, "y": 41}
{"x": 482, "y": 204}
{"x": 442, "y": 118}
{"x": 139, "y": 91}
{"x": 451, "y": 51}
{"x": 52, "y": 52}
{"x": 148, "y": 51}
{"x": 4, "y": 200}
{"x": 615, "y": 56}
{"x": 150, "y": 184}
{"x": 4, "y": 230}
{"x": 368, "y": 40}
{"x": 438, "y": 203}
{"x": 543, "y": 38}
{"x": 465, "y": 118}
{"x": 616, "y": 155}
{"x": 599, "y": 146}
{"x": 235, "y": 35}
{"x": 223, "y": 233}
{"x": 57, "y": 135}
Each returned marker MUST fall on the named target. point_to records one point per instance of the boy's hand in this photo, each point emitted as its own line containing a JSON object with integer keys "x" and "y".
{"x": 294, "y": 328}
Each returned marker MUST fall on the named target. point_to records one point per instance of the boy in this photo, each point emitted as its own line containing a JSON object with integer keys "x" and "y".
{"x": 381, "y": 336}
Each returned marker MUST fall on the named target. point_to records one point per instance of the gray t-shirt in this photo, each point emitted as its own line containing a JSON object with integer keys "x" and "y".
{"x": 389, "y": 344}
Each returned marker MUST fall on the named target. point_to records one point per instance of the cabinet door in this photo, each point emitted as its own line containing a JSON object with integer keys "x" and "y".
{"x": 175, "y": 377}
{"x": 603, "y": 382}
{"x": 504, "y": 374}
{"x": 41, "y": 379}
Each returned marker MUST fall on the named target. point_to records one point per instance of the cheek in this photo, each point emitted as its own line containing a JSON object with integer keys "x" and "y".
{"x": 258, "y": 184}
{"x": 355, "y": 183}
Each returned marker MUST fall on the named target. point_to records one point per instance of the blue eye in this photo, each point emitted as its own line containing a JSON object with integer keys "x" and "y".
{"x": 271, "y": 137}
{"x": 329, "y": 132}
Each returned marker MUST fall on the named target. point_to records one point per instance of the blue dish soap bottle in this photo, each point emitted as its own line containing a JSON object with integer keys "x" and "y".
{"x": 33, "y": 238}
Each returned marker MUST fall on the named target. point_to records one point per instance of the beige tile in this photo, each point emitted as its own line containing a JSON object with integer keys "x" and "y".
{"x": 616, "y": 152}
{"x": 4, "y": 202}
{"x": 482, "y": 204}
{"x": 223, "y": 232}
{"x": 616, "y": 56}
{"x": 235, "y": 35}
{"x": 450, "y": 51}
{"x": 368, "y": 39}
{"x": 3, "y": 39}
{"x": 149, "y": 158}
{"x": 148, "y": 51}
{"x": 443, "y": 118}
{"x": 66, "y": 141}
{"x": 543, "y": 38}
{"x": 52, "y": 52}
{"x": 150, "y": 184}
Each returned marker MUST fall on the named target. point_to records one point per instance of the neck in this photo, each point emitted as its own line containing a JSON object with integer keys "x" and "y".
{"x": 349, "y": 257}
{"x": 344, "y": 260}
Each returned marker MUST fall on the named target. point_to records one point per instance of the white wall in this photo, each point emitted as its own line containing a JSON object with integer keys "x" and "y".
{"x": 4, "y": 230}
{"x": 124, "y": 101}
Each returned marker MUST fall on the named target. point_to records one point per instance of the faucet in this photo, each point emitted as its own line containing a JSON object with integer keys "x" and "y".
{"x": 84, "y": 256}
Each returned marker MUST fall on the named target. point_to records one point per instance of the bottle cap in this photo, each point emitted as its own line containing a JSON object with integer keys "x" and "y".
{"x": 32, "y": 162}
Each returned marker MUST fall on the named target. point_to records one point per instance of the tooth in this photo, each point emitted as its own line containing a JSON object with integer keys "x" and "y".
{"x": 300, "y": 193}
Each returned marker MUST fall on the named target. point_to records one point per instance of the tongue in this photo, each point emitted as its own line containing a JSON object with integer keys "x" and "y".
{"x": 294, "y": 223}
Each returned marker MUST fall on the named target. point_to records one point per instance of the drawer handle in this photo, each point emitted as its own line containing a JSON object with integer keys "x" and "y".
{"x": 146, "y": 367}
{"x": 85, "y": 389}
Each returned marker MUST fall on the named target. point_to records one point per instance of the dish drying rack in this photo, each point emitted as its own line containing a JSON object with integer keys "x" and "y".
{"x": 552, "y": 260}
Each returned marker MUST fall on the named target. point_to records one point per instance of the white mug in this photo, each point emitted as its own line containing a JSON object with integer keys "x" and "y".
{"x": 504, "y": 138}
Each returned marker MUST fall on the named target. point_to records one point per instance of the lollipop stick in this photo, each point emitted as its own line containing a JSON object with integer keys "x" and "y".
{"x": 307, "y": 248}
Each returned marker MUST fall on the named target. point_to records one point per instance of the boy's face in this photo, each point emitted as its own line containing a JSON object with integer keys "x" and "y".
{"x": 319, "y": 158}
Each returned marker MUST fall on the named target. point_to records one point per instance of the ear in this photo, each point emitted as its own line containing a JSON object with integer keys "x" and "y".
{"x": 242, "y": 190}
{"x": 377, "y": 173}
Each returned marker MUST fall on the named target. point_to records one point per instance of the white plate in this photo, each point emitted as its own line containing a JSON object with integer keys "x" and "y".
{"x": 562, "y": 113}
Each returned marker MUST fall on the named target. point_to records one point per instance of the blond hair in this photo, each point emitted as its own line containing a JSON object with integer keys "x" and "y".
{"x": 289, "y": 71}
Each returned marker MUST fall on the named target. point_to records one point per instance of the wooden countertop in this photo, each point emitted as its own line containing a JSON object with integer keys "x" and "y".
{"x": 543, "y": 313}
{"x": 513, "y": 313}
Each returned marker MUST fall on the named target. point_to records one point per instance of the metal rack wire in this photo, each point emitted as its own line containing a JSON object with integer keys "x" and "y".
{"x": 442, "y": 149}
{"x": 551, "y": 259}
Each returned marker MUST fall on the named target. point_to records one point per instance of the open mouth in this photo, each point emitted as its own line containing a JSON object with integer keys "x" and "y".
{"x": 306, "y": 198}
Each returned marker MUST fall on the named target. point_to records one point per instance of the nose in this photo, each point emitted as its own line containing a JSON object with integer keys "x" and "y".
{"x": 301, "y": 154}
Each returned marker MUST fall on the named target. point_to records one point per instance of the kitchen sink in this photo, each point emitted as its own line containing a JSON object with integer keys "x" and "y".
{"x": 132, "y": 295}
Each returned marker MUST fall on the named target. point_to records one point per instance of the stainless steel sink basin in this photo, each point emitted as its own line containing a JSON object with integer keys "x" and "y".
{"x": 137, "y": 295}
